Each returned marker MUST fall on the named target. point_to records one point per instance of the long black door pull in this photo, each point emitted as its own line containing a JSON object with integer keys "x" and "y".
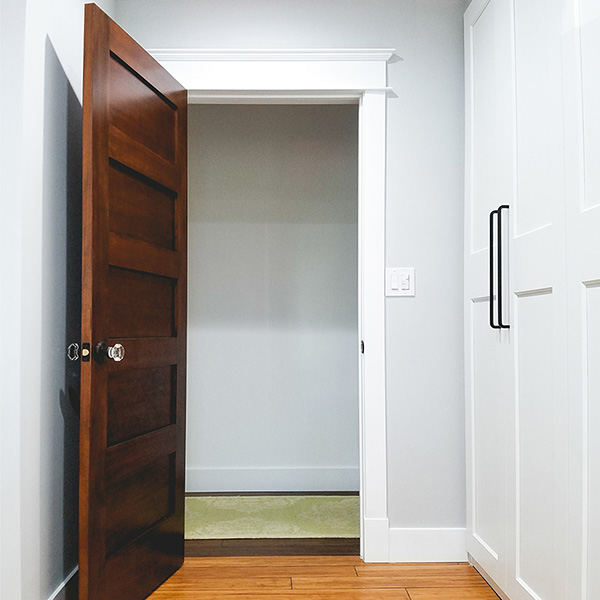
{"x": 498, "y": 287}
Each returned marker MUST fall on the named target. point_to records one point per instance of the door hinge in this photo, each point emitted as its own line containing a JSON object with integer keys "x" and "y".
{"x": 362, "y": 347}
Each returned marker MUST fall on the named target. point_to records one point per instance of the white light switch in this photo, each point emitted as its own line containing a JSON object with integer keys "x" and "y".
{"x": 405, "y": 282}
{"x": 400, "y": 281}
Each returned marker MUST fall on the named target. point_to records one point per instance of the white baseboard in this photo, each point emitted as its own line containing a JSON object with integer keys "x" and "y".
{"x": 376, "y": 540}
{"x": 59, "y": 592}
{"x": 428, "y": 544}
{"x": 336, "y": 479}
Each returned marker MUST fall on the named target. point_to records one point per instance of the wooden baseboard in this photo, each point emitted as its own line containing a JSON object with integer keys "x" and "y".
{"x": 274, "y": 547}
{"x": 204, "y": 494}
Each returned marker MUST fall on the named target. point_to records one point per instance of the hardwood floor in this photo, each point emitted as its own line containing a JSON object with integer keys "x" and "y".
{"x": 320, "y": 578}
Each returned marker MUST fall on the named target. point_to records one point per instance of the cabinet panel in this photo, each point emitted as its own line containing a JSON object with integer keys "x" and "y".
{"x": 540, "y": 476}
{"x": 592, "y": 412}
{"x": 589, "y": 13}
{"x": 491, "y": 390}
{"x": 491, "y": 115}
{"x": 539, "y": 113}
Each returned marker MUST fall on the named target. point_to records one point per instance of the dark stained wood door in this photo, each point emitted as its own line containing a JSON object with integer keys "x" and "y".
{"x": 134, "y": 295}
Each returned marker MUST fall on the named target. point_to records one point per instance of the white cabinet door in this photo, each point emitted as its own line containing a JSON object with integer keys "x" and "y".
{"x": 489, "y": 366}
{"x": 538, "y": 481}
{"x": 582, "y": 100}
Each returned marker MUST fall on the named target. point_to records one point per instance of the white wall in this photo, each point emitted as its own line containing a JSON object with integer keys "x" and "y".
{"x": 42, "y": 51}
{"x": 426, "y": 473}
{"x": 273, "y": 315}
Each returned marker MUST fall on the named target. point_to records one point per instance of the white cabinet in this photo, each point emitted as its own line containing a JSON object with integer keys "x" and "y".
{"x": 533, "y": 397}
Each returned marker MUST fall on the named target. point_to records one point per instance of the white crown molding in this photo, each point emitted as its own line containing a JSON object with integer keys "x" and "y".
{"x": 280, "y": 96}
{"x": 300, "y": 54}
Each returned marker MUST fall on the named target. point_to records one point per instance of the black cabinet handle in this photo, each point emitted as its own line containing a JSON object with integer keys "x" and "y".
{"x": 501, "y": 324}
{"x": 499, "y": 311}
{"x": 492, "y": 312}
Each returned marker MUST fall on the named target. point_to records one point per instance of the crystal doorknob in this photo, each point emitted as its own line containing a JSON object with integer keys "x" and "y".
{"x": 116, "y": 352}
{"x": 104, "y": 351}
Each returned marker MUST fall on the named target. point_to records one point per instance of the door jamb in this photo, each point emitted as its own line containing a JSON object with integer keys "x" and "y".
{"x": 327, "y": 77}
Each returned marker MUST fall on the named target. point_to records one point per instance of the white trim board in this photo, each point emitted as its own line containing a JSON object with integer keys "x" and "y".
{"x": 301, "y": 479}
{"x": 256, "y": 54}
{"x": 443, "y": 544}
{"x": 313, "y": 74}
{"x": 279, "y": 97}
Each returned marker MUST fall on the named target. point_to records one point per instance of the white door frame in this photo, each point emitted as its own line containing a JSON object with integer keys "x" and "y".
{"x": 354, "y": 76}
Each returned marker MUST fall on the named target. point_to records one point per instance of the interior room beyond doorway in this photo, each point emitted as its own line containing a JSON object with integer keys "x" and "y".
{"x": 273, "y": 299}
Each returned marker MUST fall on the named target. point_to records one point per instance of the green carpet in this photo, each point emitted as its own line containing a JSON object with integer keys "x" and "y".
{"x": 244, "y": 517}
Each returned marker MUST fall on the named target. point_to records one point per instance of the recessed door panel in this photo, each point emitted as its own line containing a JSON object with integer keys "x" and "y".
{"x": 492, "y": 118}
{"x": 540, "y": 178}
{"x": 140, "y": 401}
{"x": 491, "y": 391}
{"x": 155, "y": 126}
{"x": 592, "y": 459}
{"x": 140, "y": 208}
{"x": 138, "y": 501}
{"x": 141, "y": 304}
{"x": 589, "y": 13}
{"x": 540, "y": 461}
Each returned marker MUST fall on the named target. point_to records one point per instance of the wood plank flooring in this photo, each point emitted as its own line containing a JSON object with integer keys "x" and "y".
{"x": 320, "y": 578}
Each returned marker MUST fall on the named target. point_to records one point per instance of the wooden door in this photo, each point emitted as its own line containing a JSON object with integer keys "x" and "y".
{"x": 134, "y": 295}
{"x": 489, "y": 369}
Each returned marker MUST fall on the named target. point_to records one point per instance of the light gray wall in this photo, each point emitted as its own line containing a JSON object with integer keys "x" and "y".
{"x": 273, "y": 323}
{"x": 426, "y": 470}
{"x": 42, "y": 57}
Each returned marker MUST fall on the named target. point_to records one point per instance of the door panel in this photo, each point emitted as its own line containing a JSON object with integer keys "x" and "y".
{"x": 582, "y": 133}
{"x": 540, "y": 461}
{"x": 540, "y": 178}
{"x": 538, "y": 436}
{"x": 591, "y": 499}
{"x": 589, "y": 21}
{"x": 491, "y": 111}
{"x": 490, "y": 145}
{"x": 140, "y": 208}
{"x": 140, "y": 401}
{"x": 491, "y": 385}
{"x": 134, "y": 293}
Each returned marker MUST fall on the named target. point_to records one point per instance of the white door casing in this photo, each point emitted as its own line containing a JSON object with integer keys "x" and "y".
{"x": 335, "y": 77}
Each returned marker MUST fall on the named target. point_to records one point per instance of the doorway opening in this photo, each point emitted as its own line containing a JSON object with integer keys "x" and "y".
{"x": 273, "y": 347}
{"x": 340, "y": 76}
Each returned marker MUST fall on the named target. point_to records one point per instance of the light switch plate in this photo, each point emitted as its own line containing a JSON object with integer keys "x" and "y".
{"x": 400, "y": 281}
